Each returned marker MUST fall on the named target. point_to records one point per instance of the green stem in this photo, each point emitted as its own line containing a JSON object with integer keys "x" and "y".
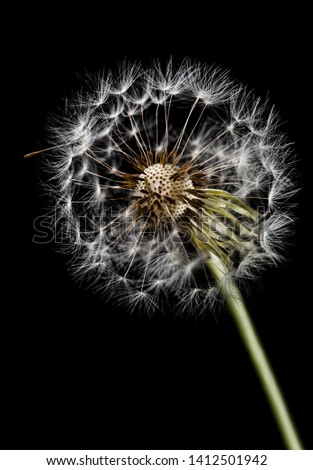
{"x": 258, "y": 356}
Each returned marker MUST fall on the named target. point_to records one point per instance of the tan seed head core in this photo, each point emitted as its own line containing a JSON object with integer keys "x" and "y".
{"x": 163, "y": 190}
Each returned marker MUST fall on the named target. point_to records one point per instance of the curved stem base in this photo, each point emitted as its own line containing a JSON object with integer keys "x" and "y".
{"x": 239, "y": 312}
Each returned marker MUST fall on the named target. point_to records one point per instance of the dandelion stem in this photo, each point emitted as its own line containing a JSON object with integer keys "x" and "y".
{"x": 239, "y": 312}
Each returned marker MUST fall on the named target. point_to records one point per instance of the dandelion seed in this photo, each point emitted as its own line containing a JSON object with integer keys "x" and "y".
{"x": 184, "y": 183}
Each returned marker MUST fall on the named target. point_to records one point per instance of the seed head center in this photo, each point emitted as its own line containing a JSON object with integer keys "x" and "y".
{"x": 163, "y": 189}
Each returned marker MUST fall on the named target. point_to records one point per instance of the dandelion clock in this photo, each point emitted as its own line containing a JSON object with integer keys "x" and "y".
{"x": 174, "y": 188}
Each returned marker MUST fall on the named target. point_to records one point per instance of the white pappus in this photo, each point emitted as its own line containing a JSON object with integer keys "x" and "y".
{"x": 155, "y": 169}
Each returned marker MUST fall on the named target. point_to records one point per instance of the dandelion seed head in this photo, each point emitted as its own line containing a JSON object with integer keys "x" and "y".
{"x": 159, "y": 168}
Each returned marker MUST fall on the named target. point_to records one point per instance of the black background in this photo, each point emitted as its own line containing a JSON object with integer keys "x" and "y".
{"x": 79, "y": 373}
